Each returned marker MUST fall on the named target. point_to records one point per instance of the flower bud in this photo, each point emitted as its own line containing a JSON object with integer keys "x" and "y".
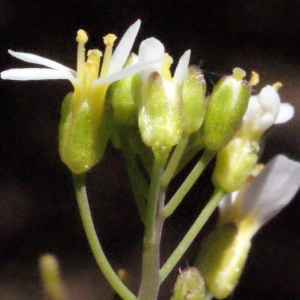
{"x": 225, "y": 110}
{"x": 160, "y": 114}
{"x": 234, "y": 163}
{"x": 193, "y": 98}
{"x": 124, "y": 96}
{"x": 189, "y": 285}
{"x": 83, "y": 134}
{"x": 222, "y": 259}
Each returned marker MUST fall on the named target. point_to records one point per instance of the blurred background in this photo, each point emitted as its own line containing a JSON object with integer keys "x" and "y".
{"x": 38, "y": 212}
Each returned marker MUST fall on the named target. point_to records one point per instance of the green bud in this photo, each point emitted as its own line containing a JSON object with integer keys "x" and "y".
{"x": 222, "y": 259}
{"x": 234, "y": 163}
{"x": 124, "y": 96}
{"x": 226, "y": 107}
{"x": 83, "y": 134}
{"x": 189, "y": 285}
{"x": 193, "y": 98}
{"x": 160, "y": 114}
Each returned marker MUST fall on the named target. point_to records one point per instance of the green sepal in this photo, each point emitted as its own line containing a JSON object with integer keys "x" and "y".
{"x": 160, "y": 115}
{"x": 83, "y": 135}
{"x": 226, "y": 107}
{"x": 193, "y": 99}
{"x": 234, "y": 163}
{"x": 222, "y": 258}
{"x": 189, "y": 285}
{"x": 124, "y": 96}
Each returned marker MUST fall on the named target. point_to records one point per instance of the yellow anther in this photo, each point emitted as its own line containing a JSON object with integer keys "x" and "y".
{"x": 277, "y": 85}
{"x": 254, "y": 80}
{"x": 94, "y": 53}
{"x": 81, "y": 36}
{"x": 238, "y": 73}
{"x": 109, "y": 39}
{"x": 165, "y": 70}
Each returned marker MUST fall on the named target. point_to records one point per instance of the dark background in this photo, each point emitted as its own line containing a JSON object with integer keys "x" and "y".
{"x": 38, "y": 212}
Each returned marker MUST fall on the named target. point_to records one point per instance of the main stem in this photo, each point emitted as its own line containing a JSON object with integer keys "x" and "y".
{"x": 153, "y": 227}
{"x": 94, "y": 243}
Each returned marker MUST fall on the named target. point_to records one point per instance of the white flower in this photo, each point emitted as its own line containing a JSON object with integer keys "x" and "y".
{"x": 160, "y": 117}
{"x": 265, "y": 109}
{"x": 87, "y": 71}
{"x": 264, "y": 197}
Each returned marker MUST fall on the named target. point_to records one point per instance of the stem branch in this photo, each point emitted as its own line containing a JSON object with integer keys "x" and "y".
{"x": 94, "y": 243}
{"x": 191, "y": 234}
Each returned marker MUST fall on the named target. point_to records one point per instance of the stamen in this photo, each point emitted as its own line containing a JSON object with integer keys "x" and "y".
{"x": 81, "y": 39}
{"x": 109, "y": 42}
{"x": 165, "y": 70}
{"x": 81, "y": 36}
{"x": 254, "y": 80}
{"x": 238, "y": 73}
{"x": 277, "y": 85}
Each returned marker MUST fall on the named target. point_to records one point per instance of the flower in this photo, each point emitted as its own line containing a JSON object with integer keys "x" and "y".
{"x": 160, "y": 108}
{"x": 238, "y": 157}
{"x": 266, "y": 109}
{"x": 262, "y": 197}
{"x": 224, "y": 252}
{"x": 85, "y": 125}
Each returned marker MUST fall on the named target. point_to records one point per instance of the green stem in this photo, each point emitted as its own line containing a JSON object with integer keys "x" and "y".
{"x": 138, "y": 184}
{"x": 94, "y": 243}
{"x": 189, "y": 154}
{"x": 153, "y": 227}
{"x": 174, "y": 161}
{"x": 192, "y": 233}
{"x": 188, "y": 182}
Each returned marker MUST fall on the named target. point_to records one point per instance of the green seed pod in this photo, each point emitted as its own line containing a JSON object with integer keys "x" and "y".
{"x": 189, "y": 285}
{"x": 160, "y": 114}
{"x": 83, "y": 135}
{"x": 226, "y": 107}
{"x": 234, "y": 163}
{"x": 124, "y": 96}
{"x": 193, "y": 99}
{"x": 222, "y": 259}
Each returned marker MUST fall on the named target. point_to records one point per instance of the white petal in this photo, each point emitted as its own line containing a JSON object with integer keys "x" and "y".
{"x": 263, "y": 122}
{"x": 126, "y": 72}
{"x": 285, "y": 114}
{"x": 269, "y": 100}
{"x": 182, "y": 66}
{"x": 252, "y": 109}
{"x": 273, "y": 188}
{"x": 151, "y": 49}
{"x": 35, "y": 74}
{"x": 123, "y": 49}
{"x": 39, "y": 60}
